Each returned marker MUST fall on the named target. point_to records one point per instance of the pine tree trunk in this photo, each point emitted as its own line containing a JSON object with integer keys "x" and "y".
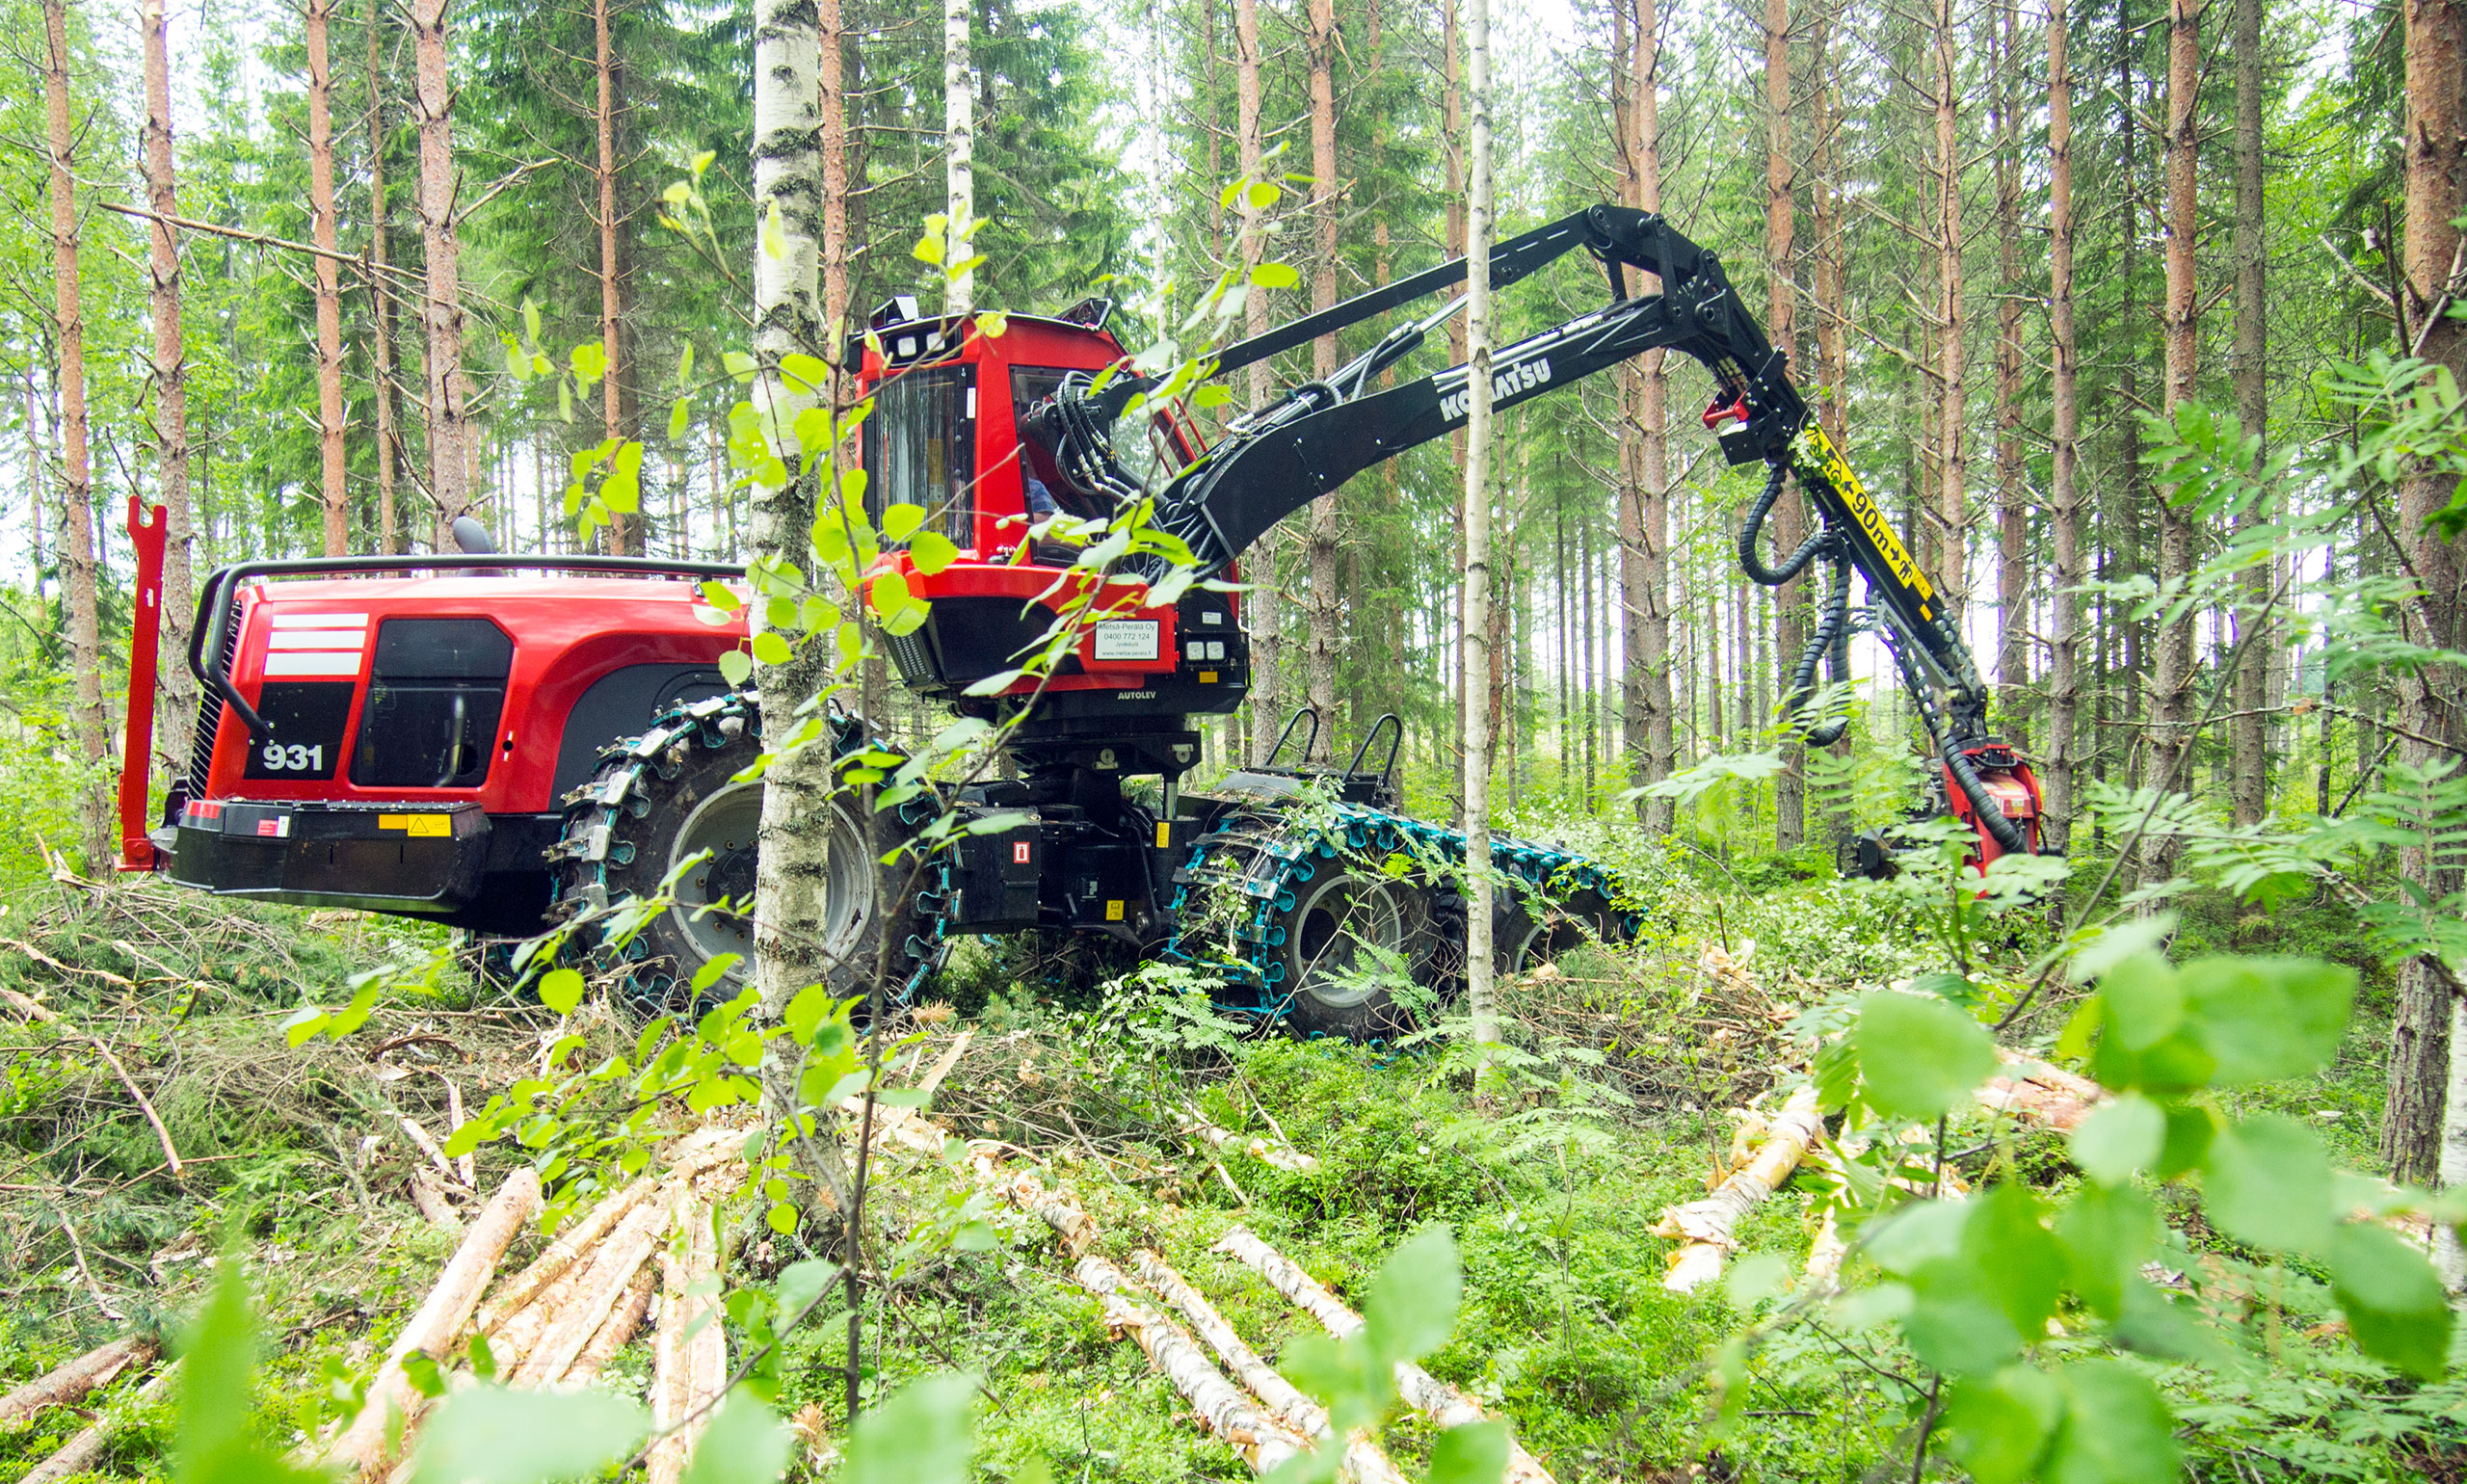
{"x": 624, "y": 531}
{"x": 792, "y": 864}
{"x": 1326, "y": 604}
{"x": 1644, "y": 547}
{"x": 2172, "y": 673}
{"x": 1479, "y": 228}
{"x": 1952, "y": 491}
{"x": 2012, "y": 487}
{"x": 381, "y": 291}
{"x": 449, "y": 433}
{"x": 2062, "y": 747}
{"x": 333, "y": 483}
{"x": 77, "y": 557}
{"x": 1452, "y": 112}
{"x": 1644, "y": 512}
{"x": 2250, "y": 732}
{"x": 2416, "y": 1137}
{"x": 176, "y": 718}
{"x": 1261, "y": 569}
{"x": 959, "y": 144}
{"x": 1790, "y": 517}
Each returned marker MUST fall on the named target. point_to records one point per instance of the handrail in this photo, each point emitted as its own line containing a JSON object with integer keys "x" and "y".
{"x": 1287, "y": 736}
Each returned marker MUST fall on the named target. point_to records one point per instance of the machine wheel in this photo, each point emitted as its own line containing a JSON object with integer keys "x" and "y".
{"x": 1528, "y": 931}
{"x": 1332, "y": 973}
{"x": 643, "y": 818}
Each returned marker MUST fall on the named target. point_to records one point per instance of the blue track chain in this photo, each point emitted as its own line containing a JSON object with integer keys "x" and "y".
{"x": 1286, "y": 850}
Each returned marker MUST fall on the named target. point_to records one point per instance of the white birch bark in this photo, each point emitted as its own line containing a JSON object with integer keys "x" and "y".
{"x": 959, "y": 145}
{"x": 1476, "y": 629}
{"x": 787, "y": 201}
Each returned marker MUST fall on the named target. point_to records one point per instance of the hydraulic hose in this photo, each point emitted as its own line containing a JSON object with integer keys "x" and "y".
{"x": 1990, "y": 813}
{"x": 1831, "y": 644}
{"x": 1752, "y": 529}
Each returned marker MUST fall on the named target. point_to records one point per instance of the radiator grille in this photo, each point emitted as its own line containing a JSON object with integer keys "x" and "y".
{"x": 209, "y": 707}
{"x": 915, "y": 662}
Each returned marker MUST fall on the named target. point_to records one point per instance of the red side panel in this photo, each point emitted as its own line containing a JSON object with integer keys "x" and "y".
{"x": 567, "y": 632}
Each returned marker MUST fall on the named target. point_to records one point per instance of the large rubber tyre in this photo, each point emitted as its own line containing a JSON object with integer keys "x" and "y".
{"x": 1529, "y": 930}
{"x": 1338, "y": 916}
{"x": 641, "y": 818}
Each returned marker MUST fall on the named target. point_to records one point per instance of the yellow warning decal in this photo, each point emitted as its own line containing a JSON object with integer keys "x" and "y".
{"x": 1164, "y": 833}
{"x": 1113, "y": 910}
{"x": 417, "y": 824}
{"x": 1208, "y": 678}
{"x": 1818, "y": 450}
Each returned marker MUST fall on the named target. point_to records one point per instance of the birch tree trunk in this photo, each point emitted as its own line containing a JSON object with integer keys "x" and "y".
{"x": 2423, "y": 1040}
{"x": 449, "y": 477}
{"x": 1790, "y": 517}
{"x": 333, "y": 486}
{"x": 1644, "y": 513}
{"x": 1326, "y": 603}
{"x": 1261, "y": 569}
{"x": 624, "y": 531}
{"x": 791, "y": 865}
{"x": 1479, "y": 659}
{"x": 2062, "y": 745}
{"x": 959, "y": 147}
{"x": 1451, "y": 111}
{"x": 77, "y": 557}
{"x": 2249, "y": 732}
{"x": 177, "y": 717}
{"x": 381, "y": 290}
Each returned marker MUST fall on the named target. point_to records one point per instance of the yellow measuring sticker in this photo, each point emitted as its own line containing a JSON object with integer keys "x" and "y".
{"x": 417, "y": 824}
{"x": 1164, "y": 833}
{"x": 1818, "y": 450}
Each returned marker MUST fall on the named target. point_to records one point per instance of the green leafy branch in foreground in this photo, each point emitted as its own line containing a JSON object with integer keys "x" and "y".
{"x": 2037, "y": 1321}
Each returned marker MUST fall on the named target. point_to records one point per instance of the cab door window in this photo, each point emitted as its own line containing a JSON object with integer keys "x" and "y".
{"x": 434, "y": 693}
{"x": 919, "y": 448}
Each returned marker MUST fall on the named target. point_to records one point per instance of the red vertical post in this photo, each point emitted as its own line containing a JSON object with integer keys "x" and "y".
{"x": 137, "y": 853}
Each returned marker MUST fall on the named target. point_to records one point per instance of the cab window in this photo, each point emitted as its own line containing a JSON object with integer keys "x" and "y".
{"x": 919, "y": 448}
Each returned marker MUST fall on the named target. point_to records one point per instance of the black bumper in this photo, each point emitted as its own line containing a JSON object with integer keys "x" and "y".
{"x": 427, "y": 860}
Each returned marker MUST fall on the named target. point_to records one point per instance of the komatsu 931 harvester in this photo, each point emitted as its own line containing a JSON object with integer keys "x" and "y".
{"x": 503, "y": 742}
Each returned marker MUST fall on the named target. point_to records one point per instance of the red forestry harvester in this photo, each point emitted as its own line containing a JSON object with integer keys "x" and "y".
{"x": 502, "y": 742}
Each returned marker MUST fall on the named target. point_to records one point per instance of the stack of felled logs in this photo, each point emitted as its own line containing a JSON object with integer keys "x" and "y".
{"x": 1767, "y": 1148}
{"x": 560, "y": 1319}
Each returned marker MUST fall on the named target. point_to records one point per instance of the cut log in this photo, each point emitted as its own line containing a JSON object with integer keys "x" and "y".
{"x": 520, "y": 1289}
{"x": 86, "y": 1447}
{"x": 1262, "y": 1442}
{"x": 618, "y": 1329}
{"x": 2039, "y": 1094}
{"x": 1363, "y": 1458}
{"x": 690, "y": 1365}
{"x": 68, "y": 1383}
{"x": 429, "y": 1198}
{"x": 601, "y": 1283}
{"x": 361, "y": 1447}
{"x": 1445, "y": 1405}
{"x": 1708, "y": 1227}
{"x": 426, "y": 1143}
{"x": 1056, "y": 1209}
{"x": 1273, "y": 1155}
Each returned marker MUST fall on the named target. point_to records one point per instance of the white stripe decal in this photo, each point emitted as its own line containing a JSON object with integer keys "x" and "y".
{"x": 318, "y": 620}
{"x": 315, "y": 639}
{"x": 317, "y": 662}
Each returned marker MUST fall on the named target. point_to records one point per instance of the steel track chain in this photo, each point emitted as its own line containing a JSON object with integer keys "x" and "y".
{"x": 1283, "y": 851}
